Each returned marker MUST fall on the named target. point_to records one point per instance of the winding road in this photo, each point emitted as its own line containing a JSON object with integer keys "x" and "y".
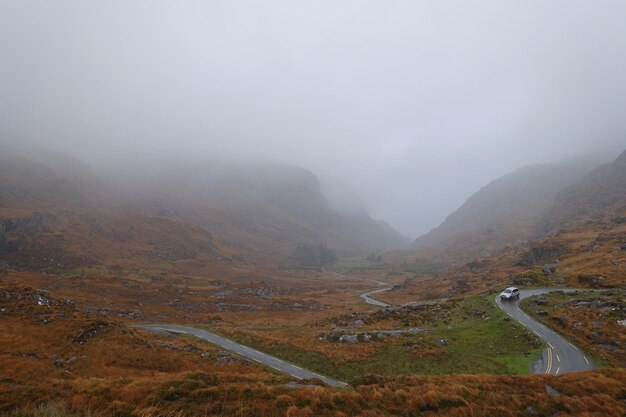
{"x": 245, "y": 351}
{"x": 560, "y": 356}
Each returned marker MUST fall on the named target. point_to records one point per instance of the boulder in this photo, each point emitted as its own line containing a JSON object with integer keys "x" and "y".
{"x": 349, "y": 338}
{"x": 551, "y": 391}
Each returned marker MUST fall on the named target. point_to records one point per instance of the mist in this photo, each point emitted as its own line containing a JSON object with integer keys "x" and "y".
{"x": 414, "y": 105}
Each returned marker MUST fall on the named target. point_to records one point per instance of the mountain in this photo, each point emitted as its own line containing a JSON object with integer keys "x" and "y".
{"x": 600, "y": 197}
{"x": 257, "y": 206}
{"x": 507, "y": 211}
{"x": 56, "y": 214}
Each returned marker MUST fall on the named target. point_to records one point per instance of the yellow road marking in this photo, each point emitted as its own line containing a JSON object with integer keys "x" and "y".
{"x": 549, "y": 367}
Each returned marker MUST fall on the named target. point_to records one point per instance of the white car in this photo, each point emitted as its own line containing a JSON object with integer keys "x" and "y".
{"x": 509, "y": 293}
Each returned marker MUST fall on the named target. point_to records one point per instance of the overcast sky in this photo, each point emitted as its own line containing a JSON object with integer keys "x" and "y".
{"x": 414, "y": 104}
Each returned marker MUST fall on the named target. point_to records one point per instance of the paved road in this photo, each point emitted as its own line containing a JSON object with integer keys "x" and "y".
{"x": 369, "y": 300}
{"x": 367, "y": 295}
{"x": 255, "y": 355}
{"x": 560, "y": 356}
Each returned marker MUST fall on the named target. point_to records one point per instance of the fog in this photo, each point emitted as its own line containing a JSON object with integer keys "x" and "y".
{"x": 413, "y": 104}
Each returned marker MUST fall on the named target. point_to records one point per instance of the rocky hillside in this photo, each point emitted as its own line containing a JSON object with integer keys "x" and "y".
{"x": 55, "y": 214}
{"x": 507, "y": 211}
{"x": 260, "y": 207}
{"x": 599, "y": 197}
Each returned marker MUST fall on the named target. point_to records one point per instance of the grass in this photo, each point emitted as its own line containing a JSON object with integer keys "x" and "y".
{"x": 480, "y": 338}
{"x": 557, "y": 307}
{"x": 347, "y": 264}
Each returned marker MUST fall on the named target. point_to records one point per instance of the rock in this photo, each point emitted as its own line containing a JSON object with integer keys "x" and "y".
{"x": 90, "y": 333}
{"x": 577, "y": 325}
{"x": 442, "y": 342}
{"x": 597, "y": 324}
{"x": 235, "y": 307}
{"x": 562, "y": 321}
{"x": 582, "y": 304}
{"x": 608, "y": 347}
{"x": 58, "y": 363}
{"x": 206, "y": 355}
{"x": 595, "y": 335}
{"x": 521, "y": 281}
{"x": 542, "y": 301}
{"x": 541, "y": 312}
{"x": 349, "y": 338}
{"x": 548, "y": 269}
{"x": 356, "y": 323}
{"x": 538, "y": 253}
{"x": 227, "y": 357}
{"x": 551, "y": 391}
{"x": 594, "y": 281}
{"x": 71, "y": 360}
{"x": 622, "y": 322}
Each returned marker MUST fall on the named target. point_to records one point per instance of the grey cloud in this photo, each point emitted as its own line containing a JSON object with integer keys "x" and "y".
{"x": 414, "y": 104}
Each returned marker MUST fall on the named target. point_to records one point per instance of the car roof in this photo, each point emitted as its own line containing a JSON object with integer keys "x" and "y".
{"x": 511, "y": 288}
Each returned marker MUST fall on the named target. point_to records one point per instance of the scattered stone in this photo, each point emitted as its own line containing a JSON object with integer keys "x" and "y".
{"x": 90, "y": 333}
{"x": 520, "y": 280}
{"x": 608, "y": 347}
{"x": 597, "y": 324}
{"x": 228, "y": 357}
{"x": 222, "y": 294}
{"x": 622, "y": 322}
{"x": 538, "y": 253}
{"x": 594, "y": 281}
{"x": 548, "y": 269}
{"x": 595, "y": 335}
{"x": 442, "y": 342}
{"x": 235, "y": 307}
{"x": 356, "y": 323}
{"x": 551, "y": 391}
{"x": 541, "y": 312}
{"x": 348, "y": 338}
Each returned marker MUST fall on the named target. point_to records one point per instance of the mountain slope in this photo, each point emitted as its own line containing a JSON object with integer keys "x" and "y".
{"x": 260, "y": 206}
{"x": 506, "y": 211}
{"x": 598, "y": 197}
{"x": 56, "y": 215}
